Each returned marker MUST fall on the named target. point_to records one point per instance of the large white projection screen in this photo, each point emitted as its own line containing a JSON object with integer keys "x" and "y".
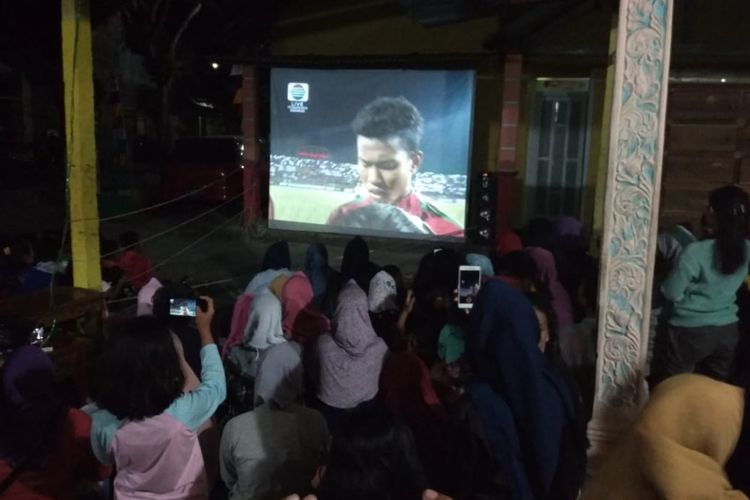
{"x": 371, "y": 152}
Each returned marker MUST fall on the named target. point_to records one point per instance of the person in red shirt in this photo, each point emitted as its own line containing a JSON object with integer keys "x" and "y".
{"x": 136, "y": 266}
{"x": 389, "y": 130}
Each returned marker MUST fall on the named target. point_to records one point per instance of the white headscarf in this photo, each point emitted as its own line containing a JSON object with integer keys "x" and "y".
{"x": 263, "y": 328}
{"x": 146, "y": 297}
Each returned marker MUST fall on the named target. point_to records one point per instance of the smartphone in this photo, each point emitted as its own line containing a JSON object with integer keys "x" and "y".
{"x": 183, "y": 307}
{"x": 469, "y": 281}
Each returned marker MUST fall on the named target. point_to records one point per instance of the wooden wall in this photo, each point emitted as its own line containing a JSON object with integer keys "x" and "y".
{"x": 707, "y": 146}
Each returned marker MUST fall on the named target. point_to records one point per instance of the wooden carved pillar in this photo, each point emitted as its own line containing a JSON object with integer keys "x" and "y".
{"x": 631, "y": 215}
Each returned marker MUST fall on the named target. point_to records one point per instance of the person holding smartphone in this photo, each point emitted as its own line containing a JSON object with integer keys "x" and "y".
{"x": 143, "y": 422}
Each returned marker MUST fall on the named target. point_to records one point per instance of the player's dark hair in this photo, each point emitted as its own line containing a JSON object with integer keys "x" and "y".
{"x": 389, "y": 117}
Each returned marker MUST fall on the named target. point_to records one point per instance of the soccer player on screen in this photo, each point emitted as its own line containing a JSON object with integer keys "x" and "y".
{"x": 389, "y": 130}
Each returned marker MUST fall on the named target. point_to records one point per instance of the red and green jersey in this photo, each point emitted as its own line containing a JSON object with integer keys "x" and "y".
{"x": 437, "y": 220}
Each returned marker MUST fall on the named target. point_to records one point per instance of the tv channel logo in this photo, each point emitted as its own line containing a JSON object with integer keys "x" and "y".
{"x": 298, "y": 92}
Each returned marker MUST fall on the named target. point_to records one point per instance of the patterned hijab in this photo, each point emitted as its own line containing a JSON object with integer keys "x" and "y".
{"x": 383, "y": 293}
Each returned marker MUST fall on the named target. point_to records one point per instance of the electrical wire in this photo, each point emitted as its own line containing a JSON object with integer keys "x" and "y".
{"x": 189, "y": 246}
{"x": 161, "y": 204}
{"x": 196, "y": 287}
{"x": 401, "y": 246}
{"x": 173, "y": 228}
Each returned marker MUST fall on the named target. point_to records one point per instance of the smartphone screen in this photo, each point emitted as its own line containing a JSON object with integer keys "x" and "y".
{"x": 182, "y": 307}
{"x": 469, "y": 281}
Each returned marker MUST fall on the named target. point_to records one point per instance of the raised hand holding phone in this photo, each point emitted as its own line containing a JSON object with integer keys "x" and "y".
{"x": 203, "y": 317}
{"x": 469, "y": 282}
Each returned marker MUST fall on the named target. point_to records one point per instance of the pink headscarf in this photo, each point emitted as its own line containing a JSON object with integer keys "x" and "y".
{"x": 546, "y": 272}
{"x": 301, "y": 321}
{"x": 508, "y": 242}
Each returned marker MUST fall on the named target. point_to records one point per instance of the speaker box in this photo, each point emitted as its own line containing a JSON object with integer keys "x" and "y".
{"x": 485, "y": 207}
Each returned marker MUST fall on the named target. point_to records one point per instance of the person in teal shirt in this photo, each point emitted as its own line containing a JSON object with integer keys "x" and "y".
{"x": 701, "y": 288}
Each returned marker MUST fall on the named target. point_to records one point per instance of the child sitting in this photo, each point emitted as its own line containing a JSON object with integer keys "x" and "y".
{"x": 135, "y": 265}
{"x": 144, "y": 423}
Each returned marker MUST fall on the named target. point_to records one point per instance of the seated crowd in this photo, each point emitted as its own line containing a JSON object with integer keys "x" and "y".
{"x": 341, "y": 384}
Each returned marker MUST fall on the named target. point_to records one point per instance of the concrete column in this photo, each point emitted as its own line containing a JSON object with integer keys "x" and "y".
{"x": 507, "y": 156}
{"x": 631, "y": 205}
{"x": 251, "y": 177}
{"x": 80, "y": 142}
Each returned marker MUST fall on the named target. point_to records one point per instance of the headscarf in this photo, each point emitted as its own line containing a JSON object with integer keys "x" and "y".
{"x": 280, "y": 376}
{"x": 263, "y": 280}
{"x": 406, "y": 387}
{"x": 316, "y": 269}
{"x": 277, "y": 285}
{"x": 146, "y": 297}
{"x": 569, "y": 226}
{"x": 671, "y": 243}
{"x": 524, "y": 407}
{"x": 32, "y": 410}
{"x": 407, "y": 393}
{"x": 351, "y": 359}
{"x": 547, "y": 274}
{"x": 451, "y": 344}
{"x": 484, "y": 263}
{"x": 277, "y": 257}
{"x": 679, "y": 446}
{"x": 383, "y": 294}
{"x": 301, "y": 321}
{"x": 263, "y": 327}
{"x": 508, "y": 242}
{"x": 542, "y": 233}
{"x": 356, "y": 264}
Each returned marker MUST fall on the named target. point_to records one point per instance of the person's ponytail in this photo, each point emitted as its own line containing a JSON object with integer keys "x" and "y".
{"x": 731, "y": 209}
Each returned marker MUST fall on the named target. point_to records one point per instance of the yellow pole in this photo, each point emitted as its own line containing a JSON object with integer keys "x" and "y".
{"x": 79, "y": 139}
{"x": 603, "y": 159}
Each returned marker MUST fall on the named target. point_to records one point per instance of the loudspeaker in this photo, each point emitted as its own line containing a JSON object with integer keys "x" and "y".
{"x": 485, "y": 207}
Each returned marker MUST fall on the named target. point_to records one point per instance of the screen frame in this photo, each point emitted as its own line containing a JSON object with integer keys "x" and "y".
{"x": 286, "y": 225}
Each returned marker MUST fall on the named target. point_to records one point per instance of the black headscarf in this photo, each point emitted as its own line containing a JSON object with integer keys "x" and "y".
{"x": 277, "y": 257}
{"x": 541, "y": 233}
{"x": 356, "y": 263}
{"x": 526, "y": 409}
